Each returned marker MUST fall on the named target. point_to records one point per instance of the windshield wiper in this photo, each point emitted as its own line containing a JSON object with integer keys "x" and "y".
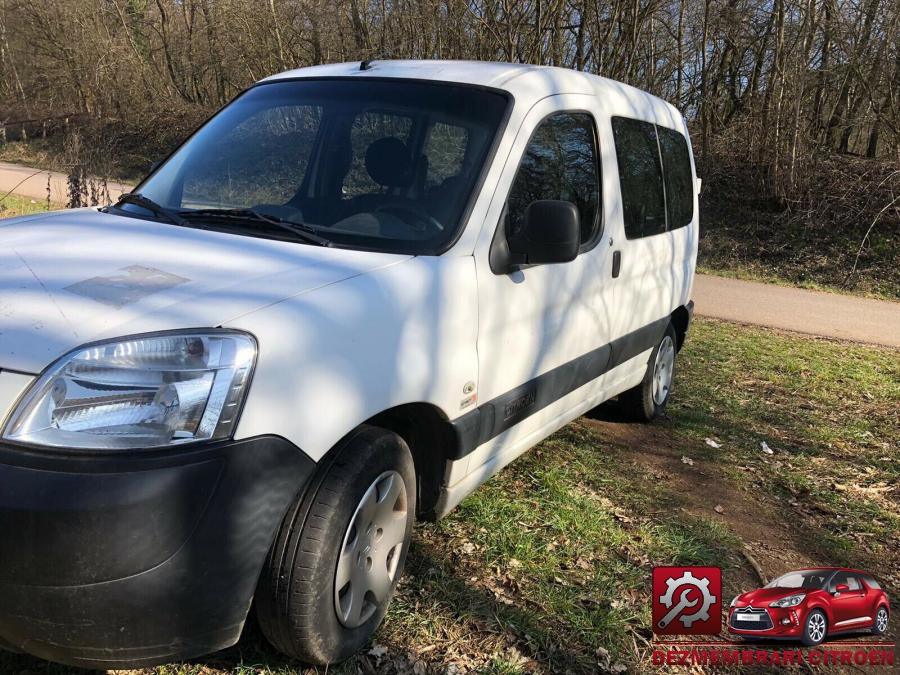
{"x": 153, "y": 207}
{"x": 301, "y": 230}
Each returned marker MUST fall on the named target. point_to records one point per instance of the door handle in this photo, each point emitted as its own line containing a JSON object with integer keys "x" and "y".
{"x": 617, "y": 263}
{"x": 862, "y": 595}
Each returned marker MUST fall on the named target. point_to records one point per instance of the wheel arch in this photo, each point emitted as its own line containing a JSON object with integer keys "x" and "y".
{"x": 431, "y": 439}
{"x": 681, "y": 319}
{"x": 823, "y": 607}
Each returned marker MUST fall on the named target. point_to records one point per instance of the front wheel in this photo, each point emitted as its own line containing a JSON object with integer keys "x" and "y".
{"x": 815, "y": 629}
{"x": 648, "y": 400}
{"x": 340, "y": 551}
{"x": 881, "y": 621}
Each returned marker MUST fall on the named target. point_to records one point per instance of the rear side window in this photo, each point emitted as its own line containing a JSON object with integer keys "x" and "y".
{"x": 870, "y": 581}
{"x": 640, "y": 177}
{"x": 560, "y": 162}
{"x": 679, "y": 180}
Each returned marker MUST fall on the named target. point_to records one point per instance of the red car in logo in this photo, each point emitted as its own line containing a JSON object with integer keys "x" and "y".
{"x": 809, "y": 605}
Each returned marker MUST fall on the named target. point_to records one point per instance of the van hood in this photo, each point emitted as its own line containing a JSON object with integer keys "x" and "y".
{"x": 71, "y": 277}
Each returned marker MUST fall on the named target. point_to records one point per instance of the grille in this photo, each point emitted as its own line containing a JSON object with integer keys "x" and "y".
{"x": 764, "y": 622}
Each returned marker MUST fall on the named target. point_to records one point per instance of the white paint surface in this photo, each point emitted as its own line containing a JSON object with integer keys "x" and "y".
{"x": 344, "y": 335}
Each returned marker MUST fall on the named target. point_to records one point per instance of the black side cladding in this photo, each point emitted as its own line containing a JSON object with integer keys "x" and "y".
{"x": 499, "y": 414}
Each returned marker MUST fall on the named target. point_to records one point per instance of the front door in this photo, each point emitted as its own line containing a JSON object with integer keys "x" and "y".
{"x": 542, "y": 329}
{"x": 850, "y": 608}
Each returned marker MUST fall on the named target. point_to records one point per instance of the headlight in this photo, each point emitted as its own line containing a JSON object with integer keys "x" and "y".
{"x": 141, "y": 392}
{"x": 734, "y": 602}
{"x": 789, "y": 601}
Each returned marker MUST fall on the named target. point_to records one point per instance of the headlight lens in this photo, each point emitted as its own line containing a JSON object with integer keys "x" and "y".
{"x": 734, "y": 602}
{"x": 790, "y": 601}
{"x": 142, "y": 392}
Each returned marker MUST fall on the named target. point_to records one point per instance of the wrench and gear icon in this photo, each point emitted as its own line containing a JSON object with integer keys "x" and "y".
{"x": 667, "y": 599}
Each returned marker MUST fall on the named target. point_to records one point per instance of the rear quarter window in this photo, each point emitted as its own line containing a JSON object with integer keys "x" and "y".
{"x": 870, "y": 581}
{"x": 678, "y": 177}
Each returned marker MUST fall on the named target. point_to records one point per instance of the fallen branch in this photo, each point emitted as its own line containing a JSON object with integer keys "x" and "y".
{"x": 756, "y": 568}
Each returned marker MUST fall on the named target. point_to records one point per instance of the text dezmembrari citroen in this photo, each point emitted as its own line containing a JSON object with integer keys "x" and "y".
{"x": 352, "y": 296}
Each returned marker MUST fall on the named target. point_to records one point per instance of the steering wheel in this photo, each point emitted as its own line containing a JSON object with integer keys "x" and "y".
{"x": 418, "y": 216}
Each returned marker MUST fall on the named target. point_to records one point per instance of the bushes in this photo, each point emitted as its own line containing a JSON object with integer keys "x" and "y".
{"x": 842, "y": 229}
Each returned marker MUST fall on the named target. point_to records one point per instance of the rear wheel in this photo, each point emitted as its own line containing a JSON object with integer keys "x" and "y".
{"x": 340, "y": 551}
{"x": 881, "y": 621}
{"x": 815, "y": 629}
{"x": 648, "y": 400}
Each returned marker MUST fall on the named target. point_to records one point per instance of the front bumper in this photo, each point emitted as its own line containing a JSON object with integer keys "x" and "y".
{"x": 793, "y": 629}
{"x": 131, "y": 561}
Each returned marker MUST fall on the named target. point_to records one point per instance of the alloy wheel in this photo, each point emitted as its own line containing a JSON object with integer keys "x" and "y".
{"x": 817, "y": 627}
{"x": 370, "y": 553}
{"x": 881, "y": 620}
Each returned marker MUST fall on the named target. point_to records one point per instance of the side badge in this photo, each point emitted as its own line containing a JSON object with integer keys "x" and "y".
{"x": 471, "y": 398}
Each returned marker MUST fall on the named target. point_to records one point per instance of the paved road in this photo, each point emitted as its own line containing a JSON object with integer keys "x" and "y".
{"x": 827, "y": 314}
{"x": 28, "y": 182}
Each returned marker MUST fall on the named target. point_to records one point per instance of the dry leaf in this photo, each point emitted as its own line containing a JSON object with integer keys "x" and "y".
{"x": 719, "y": 509}
{"x": 687, "y": 460}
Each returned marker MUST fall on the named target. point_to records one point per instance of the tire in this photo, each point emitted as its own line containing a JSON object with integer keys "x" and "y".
{"x": 647, "y": 401}
{"x": 815, "y": 630}
{"x": 297, "y": 602}
{"x": 881, "y": 621}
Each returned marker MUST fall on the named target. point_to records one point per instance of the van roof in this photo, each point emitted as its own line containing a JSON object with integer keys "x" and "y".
{"x": 527, "y": 83}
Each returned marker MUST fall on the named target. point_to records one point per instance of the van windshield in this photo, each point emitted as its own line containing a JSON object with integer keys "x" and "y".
{"x": 384, "y": 165}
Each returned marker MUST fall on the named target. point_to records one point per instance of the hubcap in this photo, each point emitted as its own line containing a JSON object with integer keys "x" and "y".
{"x": 882, "y": 620}
{"x": 662, "y": 370}
{"x": 817, "y": 627}
{"x": 370, "y": 553}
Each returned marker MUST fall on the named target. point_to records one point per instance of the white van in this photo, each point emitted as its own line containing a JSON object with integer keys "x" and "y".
{"x": 351, "y": 297}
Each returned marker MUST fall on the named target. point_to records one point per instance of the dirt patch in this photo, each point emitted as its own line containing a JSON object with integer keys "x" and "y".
{"x": 707, "y": 493}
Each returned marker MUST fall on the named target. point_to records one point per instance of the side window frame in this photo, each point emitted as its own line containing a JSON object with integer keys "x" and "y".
{"x": 598, "y": 225}
{"x": 832, "y": 585}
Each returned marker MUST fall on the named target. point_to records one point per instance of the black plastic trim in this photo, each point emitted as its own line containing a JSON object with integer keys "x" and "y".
{"x": 499, "y": 414}
{"x": 132, "y": 561}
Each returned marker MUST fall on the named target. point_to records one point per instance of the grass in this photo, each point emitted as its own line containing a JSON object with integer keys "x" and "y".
{"x": 14, "y": 205}
{"x": 546, "y": 568}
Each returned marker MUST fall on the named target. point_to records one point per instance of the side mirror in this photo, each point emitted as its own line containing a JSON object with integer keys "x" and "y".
{"x": 842, "y": 588}
{"x": 551, "y": 233}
